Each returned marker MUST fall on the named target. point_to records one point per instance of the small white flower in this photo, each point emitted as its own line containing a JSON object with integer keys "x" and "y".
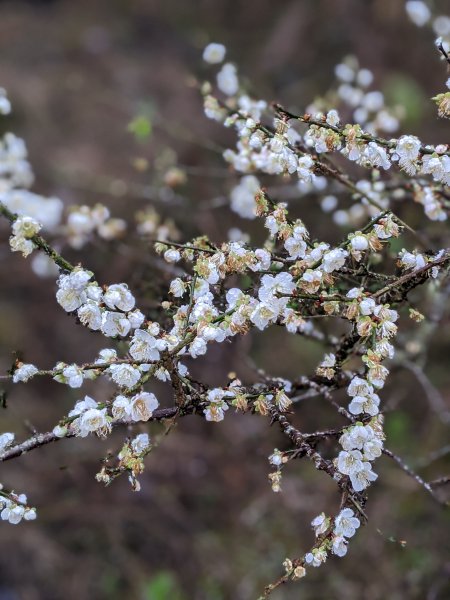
{"x": 418, "y": 12}
{"x": 376, "y": 156}
{"x": 14, "y": 514}
{"x": 227, "y": 80}
{"x": 276, "y": 459}
{"x": 72, "y": 289}
{"x": 106, "y": 355}
{"x": 177, "y": 287}
{"x": 124, "y": 375}
{"x": 6, "y": 439}
{"x": 144, "y": 346}
{"x": 355, "y": 437}
{"x": 172, "y": 255}
{"x": 30, "y": 514}
{"x": 60, "y": 431}
{"x": 115, "y": 324}
{"x": 243, "y": 197}
{"x": 5, "y": 105}
{"x": 142, "y": 406}
{"x": 365, "y": 404}
{"x": 349, "y": 462}
{"x": 333, "y": 117}
{"x": 315, "y": 558}
{"x": 135, "y": 318}
{"x": 140, "y": 443}
{"x": 118, "y": 296}
{"x": 214, "y": 53}
{"x": 367, "y": 306}
{"x": 25, "y": 227}
{"x": 346, "y": 523}
{"x": 90, "y": 315}
{"x": 121, "y": 408}
{"x": 359, "y": 387}
{"x": 320, "y": 524}
{"x": 215, "y": 412}
{"x": 372, "y": 449}
{"x": 362, "y": 478}
{"x": 71, "y": 375}
{"x": 334, "y": 260}
{"x": 339, "y": 547}
{"x": 24, "y": 372}
{"x": 328, "y": 203}
{"x": 93, "y": 420}
{"x": 359, "y": 243}
{"x": 83, "y": 405}
{"x": 198, "y": 347}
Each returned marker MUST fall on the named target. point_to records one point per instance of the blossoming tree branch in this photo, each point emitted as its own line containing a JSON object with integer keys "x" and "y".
{"x": 227, "y": 288}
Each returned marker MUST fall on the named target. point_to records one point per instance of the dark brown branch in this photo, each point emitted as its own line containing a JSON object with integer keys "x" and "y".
{"x": 42, "y": 439}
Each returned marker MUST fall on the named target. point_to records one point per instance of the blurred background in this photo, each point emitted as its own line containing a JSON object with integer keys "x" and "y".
{"x": 105, "y": 94}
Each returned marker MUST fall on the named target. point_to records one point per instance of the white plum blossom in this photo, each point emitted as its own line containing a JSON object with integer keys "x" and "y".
{"x": 90, "y": 315}
{"x": 339, "y": 546}
{"x": 334, "y": 260}
{"x": 316, "y": 558}
{"x": 72, "y": 375}
{"x": 118, "y": 296}
{"x": 407, "y": 150}
{"x": 198, "y": 347}
{"x": 364, "y": 404}
{"x": 214, "y": 53}
{"x": 346, "y": 523}
{"x": 276, "y": 459}
{"x": 359, "y": 242}
{"x": 320, "y": 524}
{"x": 13, "y": 513}
{"x": 333, "y": 117}
{"x": 367, "y": 306}
{"x": 93, "y": 420}
{"x": 24, "y": 372}
{"x": 359, "y": 387}
{"x": 172, "y": 255}
{"x": 355, "y": 437}
{"x": 115, "y": 324}
{"x": 304, "y": 166}
{"x": 350, "y": 462}
{"x": 124, "y": 374}
{"x": 135, "y": 318}
{"x": 373, "y": 449}
{"x": 72, "y": 289}
{"x": 227, "y": 80}
{"x": 243, "y": 197}
{"x": 24, "y": 228}
{"x": 376, "y": 156}
{"x": 6, "y": 439}
{"x": 141, "y": 443}
{"x": 217, "y": 405}
{"x": 121, "y": 408}
{"x": 144, "y": 346}
{"x": 418, "y": 12}
{"x": 362, "y": 478}
{"x": 5, "y": 105}
{"x": 142, "y": 406}
{"x": 178, "y": 288}
{"x": 83, "y": 405}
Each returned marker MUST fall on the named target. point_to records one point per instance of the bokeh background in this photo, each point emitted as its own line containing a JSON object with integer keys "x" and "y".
{"x": 206, "y": 525}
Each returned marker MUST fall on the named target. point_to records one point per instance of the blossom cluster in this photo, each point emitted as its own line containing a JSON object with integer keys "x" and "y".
{"x": 219, "y": 291}
{"x": 83, "y": 221}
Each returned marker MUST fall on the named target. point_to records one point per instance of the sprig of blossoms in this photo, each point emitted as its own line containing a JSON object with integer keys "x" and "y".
{"x": 24, "y": 229}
